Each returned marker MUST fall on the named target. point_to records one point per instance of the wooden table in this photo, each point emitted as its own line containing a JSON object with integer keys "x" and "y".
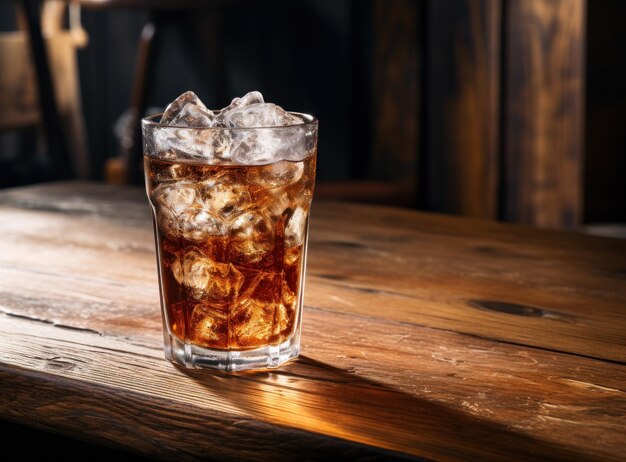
{"x": 424, "y": 335}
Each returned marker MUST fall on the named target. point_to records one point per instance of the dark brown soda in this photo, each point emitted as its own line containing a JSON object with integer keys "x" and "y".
{"x": 231, "y": 243}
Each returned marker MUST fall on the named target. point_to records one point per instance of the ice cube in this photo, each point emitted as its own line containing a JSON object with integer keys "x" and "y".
{"x": 265, "y": 146}
{"x": 292, "y": 256}
{"x": 288, "y": 298}
{"x": 182, "y": 143}
{"x": 209, "y": 326}
{"x": 277, "y": 203}
{"x": 252, "y": 238}
{"x": 295, "y": 231}
{"x": 210, "y": 146}
{"x": 283, "y": 201}
{"x": 187, "y": 102}
{"x": 280, "y": 174}
{"x": 264, "y": 312}
{"x": 258, "y": 115}
{"x": 252, "y": 147}
{"x": 207, "y": 280}
{"x": 252, "y": 323}
{"x": 294, "y": 143}
{"x": 173, "y": 199}
{"x": 225, "y": 196}
{"x": 197, "y": 225}
{"x": 193, "y": 116}
{"x": 182, "y": 212}
{"x": 252, "y": 318}
{"x": 170, "y": 172}
{"x": 252, "y": 97}
{"x": 285, "y": 310}
{"x": 262, "y": 146}
{"x": 219, "y": 146}
{"x": 183, "y": 114}
{"x": 255, "y": 146}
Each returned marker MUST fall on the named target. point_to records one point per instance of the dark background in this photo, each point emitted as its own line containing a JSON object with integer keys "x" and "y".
{"x": 298, "y": 54}
{"x": 605, "y": 117}
{"x": 312, "y": 56}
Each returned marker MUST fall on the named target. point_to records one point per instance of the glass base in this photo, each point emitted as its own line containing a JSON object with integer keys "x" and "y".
{"x": 267, "y": 357}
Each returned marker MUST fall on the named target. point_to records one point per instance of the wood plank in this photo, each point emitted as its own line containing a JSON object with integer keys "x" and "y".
{"x": 553, "y": 290}
{"x": 383, "y": 373}
{"x": 543, "y": 111}
{"x": 441, "y": 395}
{"x": 462, "y": 107}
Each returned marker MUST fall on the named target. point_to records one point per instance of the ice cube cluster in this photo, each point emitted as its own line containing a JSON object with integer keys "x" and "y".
{"x": 248, "y": 131}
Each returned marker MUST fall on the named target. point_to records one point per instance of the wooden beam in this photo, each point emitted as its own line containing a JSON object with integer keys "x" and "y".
{"x": 462, "y": 107}
{"x": 395, "y": 79}
{"x": 543, "y": 110}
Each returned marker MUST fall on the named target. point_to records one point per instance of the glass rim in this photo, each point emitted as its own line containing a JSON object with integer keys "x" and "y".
{"x": 309, "y": 120}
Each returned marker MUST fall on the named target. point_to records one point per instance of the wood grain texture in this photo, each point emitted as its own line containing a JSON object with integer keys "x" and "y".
{"x": 424, "y": 336}
{"x": 543, "y": 111}
{"x": 462, "y": 107}
{"x": 395, "y": 84}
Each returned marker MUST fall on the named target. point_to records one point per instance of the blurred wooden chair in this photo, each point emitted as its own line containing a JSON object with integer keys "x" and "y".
{"x": 39, "y": 81}
{"x": 127, "y": 166}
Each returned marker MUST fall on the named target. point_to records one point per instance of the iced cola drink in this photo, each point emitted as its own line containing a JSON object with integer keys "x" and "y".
{"x": 231, "y": 192}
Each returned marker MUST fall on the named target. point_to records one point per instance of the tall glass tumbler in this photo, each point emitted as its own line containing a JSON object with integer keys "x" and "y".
{"x": 231, "y": 239}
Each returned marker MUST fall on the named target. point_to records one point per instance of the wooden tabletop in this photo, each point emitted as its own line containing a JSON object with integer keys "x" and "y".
{"x": 424, "y": 336}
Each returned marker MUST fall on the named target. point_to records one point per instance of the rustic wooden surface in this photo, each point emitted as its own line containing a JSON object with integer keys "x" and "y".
{"x": 424, "y": 336}
{"x": 543, "y": 110}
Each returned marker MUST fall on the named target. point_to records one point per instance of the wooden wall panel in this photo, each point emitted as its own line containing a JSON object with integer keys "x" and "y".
{"x": 395, "y": 87}
{"x": 543, "y": 111}
{"x": 462, "y": 106}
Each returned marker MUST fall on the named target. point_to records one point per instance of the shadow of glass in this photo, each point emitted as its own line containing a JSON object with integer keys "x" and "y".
{"x": 370, "y": 417}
